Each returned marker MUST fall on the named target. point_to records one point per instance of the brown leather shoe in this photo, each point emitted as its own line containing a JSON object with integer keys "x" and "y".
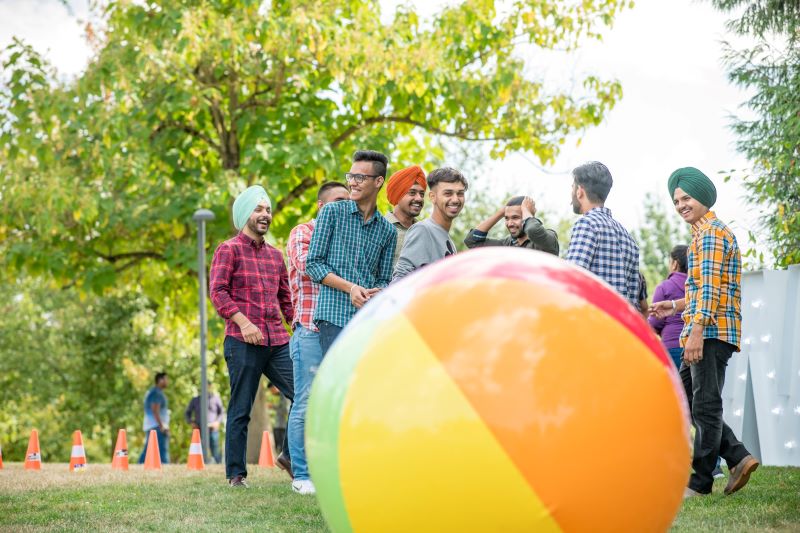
{"x": 284, "y": 463}
{"x": 238, "y": 482}
{"x": 740, "y": 474}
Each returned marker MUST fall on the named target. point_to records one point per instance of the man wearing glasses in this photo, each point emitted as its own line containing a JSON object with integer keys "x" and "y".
{"x": 352, "y": 248}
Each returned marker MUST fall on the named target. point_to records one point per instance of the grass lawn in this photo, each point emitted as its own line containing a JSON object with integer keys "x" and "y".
{"x": 176, "y": 499}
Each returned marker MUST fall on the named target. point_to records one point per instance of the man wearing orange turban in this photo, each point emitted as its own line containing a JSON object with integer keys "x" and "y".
{"x": 406, "y": 192}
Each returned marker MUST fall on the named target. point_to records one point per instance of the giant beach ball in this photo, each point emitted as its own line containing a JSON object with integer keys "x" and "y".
{"x": 498, "y": 390}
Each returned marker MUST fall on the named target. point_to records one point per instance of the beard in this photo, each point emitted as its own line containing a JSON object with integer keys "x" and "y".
{"x": 253, "y": 226}
{"x": 576, "y": 206}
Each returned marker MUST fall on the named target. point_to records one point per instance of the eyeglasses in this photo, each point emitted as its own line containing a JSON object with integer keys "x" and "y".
{"x": 359, "y": 178}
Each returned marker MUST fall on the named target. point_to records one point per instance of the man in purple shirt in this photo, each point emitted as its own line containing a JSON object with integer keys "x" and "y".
{"x": 249, "y": 287}
{"x": 672, "y": 289}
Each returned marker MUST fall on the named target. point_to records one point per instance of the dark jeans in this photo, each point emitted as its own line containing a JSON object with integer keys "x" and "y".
{"x": 213, "y": 444}
{"x": 703, "y": 384}
{"x": 327, "y": 334}
{"x": 246, "y": 364}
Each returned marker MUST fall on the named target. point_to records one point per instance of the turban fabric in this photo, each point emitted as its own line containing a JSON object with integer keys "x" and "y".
{"x": 402, "y": 180}
{"x": 246, "y": 203}
{"x": 695, "y": 184}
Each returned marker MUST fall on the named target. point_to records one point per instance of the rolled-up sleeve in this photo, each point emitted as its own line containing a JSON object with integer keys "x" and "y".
{"x": 221, "y": 271}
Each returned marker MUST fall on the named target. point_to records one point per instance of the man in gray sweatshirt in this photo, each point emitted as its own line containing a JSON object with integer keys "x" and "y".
{"x": 429, "y": 240}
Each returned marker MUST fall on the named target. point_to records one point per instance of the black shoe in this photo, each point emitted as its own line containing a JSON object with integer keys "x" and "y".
{"x": 284, "y": 463}
{"x": 238, "y": 482}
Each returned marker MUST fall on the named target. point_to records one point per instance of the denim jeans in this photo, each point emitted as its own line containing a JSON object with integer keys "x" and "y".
{"x": 327, "y": 334}
{"x": 306, "y": 357}
{"x": 703, "y": 382}
{"x": 163, "y": 446}
{"x": 677, "y": 356}
{"x": 246, "y": 364}
{"x": 213, "y": 444}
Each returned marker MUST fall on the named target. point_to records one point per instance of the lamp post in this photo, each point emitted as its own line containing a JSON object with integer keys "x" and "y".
{"x": 201, "y": 216}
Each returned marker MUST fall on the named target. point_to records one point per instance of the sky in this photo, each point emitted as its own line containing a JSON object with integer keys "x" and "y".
{"x": 676, "y": 108}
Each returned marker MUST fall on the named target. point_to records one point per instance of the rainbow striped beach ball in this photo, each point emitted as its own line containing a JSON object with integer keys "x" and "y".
{"x": 498, "y": 390}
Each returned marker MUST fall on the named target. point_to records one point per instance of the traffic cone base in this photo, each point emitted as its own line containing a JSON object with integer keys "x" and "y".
{"x": 152, "y": 458}
{"x": 77, "y": 459}
{"x": 120, "y": 459}
{"x": 195, "y": 461}
{"x": 33, "y": 457}
{"x": 266, "y": 457}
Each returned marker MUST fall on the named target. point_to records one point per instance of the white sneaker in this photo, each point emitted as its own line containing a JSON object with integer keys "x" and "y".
{"x": 303, "y": 486}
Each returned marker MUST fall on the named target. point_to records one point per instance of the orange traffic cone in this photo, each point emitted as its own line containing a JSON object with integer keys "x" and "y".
{"x": 152, "y": 459}
{"x": 1, "y": 457}
{"x": 266, "y": 457}
{"x": 120, "y": 459}
{"x": 33, "y": 458}
{"x": 77, "y": 459}
{"x": 195, "y": 461}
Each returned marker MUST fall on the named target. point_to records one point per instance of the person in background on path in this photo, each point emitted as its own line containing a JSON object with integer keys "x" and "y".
{"x": 213, "y": 419}
{"x": 352, "y": 248}
{"x": 249, "y": 287}
{"x": 405, "y": 190}
{"x": 304, "y": 346}
{"x": 599, "y": 243}
{"x": 156, "y": 416}
{"x": 429, "y": 241}
{"x": 672, "y": 290}
{"x": 712, "y": 322}
{"x": 525, "y": 230}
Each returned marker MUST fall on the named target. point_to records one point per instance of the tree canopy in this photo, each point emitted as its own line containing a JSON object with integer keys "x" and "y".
{"x": 184, "y": 103}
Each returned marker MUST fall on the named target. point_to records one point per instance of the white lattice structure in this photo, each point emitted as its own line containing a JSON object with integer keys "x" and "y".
{"x": 761, "y": 398}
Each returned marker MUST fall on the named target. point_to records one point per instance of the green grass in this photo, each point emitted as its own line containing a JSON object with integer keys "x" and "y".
{"x": 175, "y": 499}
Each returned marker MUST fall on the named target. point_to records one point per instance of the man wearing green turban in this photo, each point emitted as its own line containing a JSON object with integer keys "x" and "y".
{"x": 249, "y": 287}
{"x": 712, "y": 328}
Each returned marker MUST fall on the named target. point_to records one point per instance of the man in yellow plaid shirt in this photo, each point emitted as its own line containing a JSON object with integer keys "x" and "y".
{"x": 712, "y": 328}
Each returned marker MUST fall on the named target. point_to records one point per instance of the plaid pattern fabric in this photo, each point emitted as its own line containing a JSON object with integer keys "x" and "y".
{"x": 304, "y": 291}
{"x": 360, "y": 252}
{"x": 602, "y": 246}
{"x": 250, "y": 277}
{"x": 714, "y": 283}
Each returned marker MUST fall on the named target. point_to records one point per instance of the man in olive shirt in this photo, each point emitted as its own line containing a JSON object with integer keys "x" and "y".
{"x": 406, "y": 192}
{"x": 526, "y": 231}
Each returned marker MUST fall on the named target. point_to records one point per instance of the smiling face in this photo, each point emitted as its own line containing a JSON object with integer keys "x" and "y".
{"x": 687, "y": 207}
{"x": 411, "y": 203}
{"x": 448, "y": 198}
{"x": 514, "y": 220}
{"x": 369, "y": 187}
{"x": 260, "y": 219}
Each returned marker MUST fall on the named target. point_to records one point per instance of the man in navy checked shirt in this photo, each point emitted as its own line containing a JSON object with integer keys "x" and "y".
{"x": 599, "y": 243}
{"x": 352, "y": 249}
{"x": 249, "y": 287}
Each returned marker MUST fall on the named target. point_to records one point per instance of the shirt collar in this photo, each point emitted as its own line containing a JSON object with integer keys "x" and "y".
{"x": 354, "y": 210}
{"x": 601, "y": 210}
{"x": 705, "y": 220}
{"x": 244, "y": 239}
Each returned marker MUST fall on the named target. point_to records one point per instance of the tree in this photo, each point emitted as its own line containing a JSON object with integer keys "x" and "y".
{"x": 770, "y": 70}
{"x": 186, "y": 102}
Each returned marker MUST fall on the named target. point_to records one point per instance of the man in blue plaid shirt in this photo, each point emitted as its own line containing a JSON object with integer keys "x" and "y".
{"x": 599, "y": 243}
{"x": 352, "y": 249}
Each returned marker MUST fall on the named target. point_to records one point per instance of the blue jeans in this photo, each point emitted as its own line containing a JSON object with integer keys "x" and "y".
{"x": 246, "y": 364}
{"x": 677, "y": 356}
{"x": 306, "y": 355}
{"x": 163, "y": 446}
{"x": 213, "y": 444}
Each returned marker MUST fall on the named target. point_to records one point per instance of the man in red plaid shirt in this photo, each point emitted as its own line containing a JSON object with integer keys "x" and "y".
{"x": 305, "y": 348}
{"x": 249, "y": 288}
